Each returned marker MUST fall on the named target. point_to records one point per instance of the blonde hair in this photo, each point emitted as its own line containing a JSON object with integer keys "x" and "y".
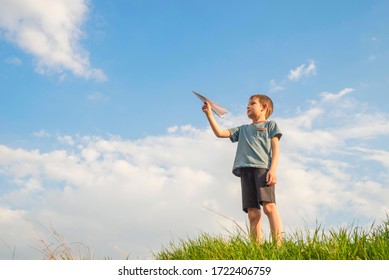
{"x": 264, "y": 99}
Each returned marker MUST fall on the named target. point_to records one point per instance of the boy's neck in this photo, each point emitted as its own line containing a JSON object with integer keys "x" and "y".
{"x": 259, "y": 120}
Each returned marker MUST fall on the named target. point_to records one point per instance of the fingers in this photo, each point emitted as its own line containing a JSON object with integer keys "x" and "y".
{"x": 271, "y": 179}
{"x": 206, "y": 107}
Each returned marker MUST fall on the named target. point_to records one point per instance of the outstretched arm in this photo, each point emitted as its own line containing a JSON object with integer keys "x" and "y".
{"x": 221, "y": 133}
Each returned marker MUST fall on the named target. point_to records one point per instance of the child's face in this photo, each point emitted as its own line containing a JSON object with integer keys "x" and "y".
{"x": 254, "y": 108}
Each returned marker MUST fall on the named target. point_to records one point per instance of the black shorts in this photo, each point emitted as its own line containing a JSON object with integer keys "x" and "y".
{"x": 255, "y": 191}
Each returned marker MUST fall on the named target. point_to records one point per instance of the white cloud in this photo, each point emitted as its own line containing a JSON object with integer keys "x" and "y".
{"x": 172, "y": 129}
{"x": 328, "y": 96}
{"x": 13, "y": 61}
{"x": 136, "y": 195}
{"x": 306, "y": 118}
{"x": 380, "y": 156}
{"x": 67, "y": 139}
{"x": 302, "y": 71}
{"x": 274, "y": 87}
{"x": 130, "y": 185}
{"x": 41, "y": 134}
{"x": 49, "y": 30}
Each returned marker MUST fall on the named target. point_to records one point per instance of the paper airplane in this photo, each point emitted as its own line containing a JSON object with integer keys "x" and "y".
{"x": 219, "y": 110}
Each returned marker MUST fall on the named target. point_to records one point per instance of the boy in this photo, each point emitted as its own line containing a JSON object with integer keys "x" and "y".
{"x": 255, "y": 163}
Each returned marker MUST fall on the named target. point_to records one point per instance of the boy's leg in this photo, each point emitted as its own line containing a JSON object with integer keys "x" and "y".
{"x": 270, "y": 210}
{"x": 255, "y": 216}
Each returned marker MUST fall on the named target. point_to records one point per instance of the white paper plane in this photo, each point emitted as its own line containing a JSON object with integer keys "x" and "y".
{"x": 219, "y": 110}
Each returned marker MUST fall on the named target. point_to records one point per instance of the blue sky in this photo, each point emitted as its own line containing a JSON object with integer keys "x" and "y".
{"x": 98, "y": 121}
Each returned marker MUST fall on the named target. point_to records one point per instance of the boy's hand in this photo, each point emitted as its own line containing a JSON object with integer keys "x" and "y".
{"x": 221, "y": 133}
{"x": 207, "y": 108}
{"x": 271, "y": 178}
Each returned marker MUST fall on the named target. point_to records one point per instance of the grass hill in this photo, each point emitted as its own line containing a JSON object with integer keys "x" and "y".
{"x": 348, "y": 243}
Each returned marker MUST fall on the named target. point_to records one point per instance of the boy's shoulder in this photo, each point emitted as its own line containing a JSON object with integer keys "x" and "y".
{"x": 267, "y": 123}
{"x": 271, "y": 123}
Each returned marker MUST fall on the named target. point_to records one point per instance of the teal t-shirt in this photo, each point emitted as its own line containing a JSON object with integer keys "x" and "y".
{"x": 254, "y": 144}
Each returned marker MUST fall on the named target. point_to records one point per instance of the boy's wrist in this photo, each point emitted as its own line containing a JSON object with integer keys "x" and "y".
{"x": 209, "y": 114}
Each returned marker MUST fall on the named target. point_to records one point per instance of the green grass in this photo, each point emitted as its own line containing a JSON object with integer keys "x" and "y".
{"x": 346, "y": 243}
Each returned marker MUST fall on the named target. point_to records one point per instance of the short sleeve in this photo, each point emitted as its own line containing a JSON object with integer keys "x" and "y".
{"x": 234, "y": 132}
{"x": 274, "y": 130}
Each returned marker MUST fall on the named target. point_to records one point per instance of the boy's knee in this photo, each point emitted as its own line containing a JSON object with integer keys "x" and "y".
{"x": 254, "y": 214}
{"x": 269, "y": 208}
